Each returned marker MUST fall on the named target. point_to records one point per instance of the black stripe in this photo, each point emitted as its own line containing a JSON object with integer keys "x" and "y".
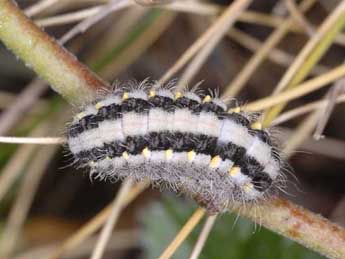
{"x": 183, "y": 142}
{"x": 115, "y": 111}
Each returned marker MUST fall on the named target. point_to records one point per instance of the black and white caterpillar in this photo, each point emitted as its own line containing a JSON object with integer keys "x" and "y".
{"x": 193, "y": 144}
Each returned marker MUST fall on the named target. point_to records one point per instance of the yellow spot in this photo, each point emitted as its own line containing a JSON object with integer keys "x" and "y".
{"x": 107, "y": 158}
{"x": 207, "y": 99}
{"x": 256, "y": 126}
{"x": 235, "y": 110}
{"x": 98, "y": 105}
{"x": 152, "y": 93}
{"x": 178, "y": 95}
{"x": 80, "y": 115}
{"x": 234, "y": 171}
{"x": 248, "y": 187}
{"x": 215, "y": 161}
{"x": 125, "y": 96}
{"x": 168, "y": 154}
{"x": 125, "y": 155}
{"x": 146, "y": 152}
{"x": 191, "y": 155}
{"x": 92, "y": 163}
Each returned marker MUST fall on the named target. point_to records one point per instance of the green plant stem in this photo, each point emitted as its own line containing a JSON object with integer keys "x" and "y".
{"x": 73, "y": 80}
{"x": 311, "y": 230}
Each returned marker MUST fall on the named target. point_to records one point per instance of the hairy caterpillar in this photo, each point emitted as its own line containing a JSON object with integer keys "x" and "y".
{"x": 197, "y": 145}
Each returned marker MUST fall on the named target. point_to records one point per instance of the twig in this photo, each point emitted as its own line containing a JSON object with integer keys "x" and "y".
{"x": 183, "y": 234}
{"x": 300, "y": 90}
{"x": 112, "y": 219}
{"x": 60, "y": 68}
{"x": 33, "y": 140}
{"x": 221, "y": 26}
{"x": 311, "y": 230}
{"x": 203, "y": 237}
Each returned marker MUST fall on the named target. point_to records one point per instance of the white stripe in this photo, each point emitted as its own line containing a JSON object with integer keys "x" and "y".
{"x": 260, "y": 151}
{"x": 208, "y": 124}
{"x": 235, "y": 133}
{"x": 134, "y": 123}
{"x": 183, "y": 121}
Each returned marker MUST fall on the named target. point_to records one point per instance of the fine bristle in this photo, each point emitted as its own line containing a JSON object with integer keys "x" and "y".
{"x": 184, "y": 141}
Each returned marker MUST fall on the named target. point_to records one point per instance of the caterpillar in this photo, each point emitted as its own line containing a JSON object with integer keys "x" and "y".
{"x": 186, "y": 141}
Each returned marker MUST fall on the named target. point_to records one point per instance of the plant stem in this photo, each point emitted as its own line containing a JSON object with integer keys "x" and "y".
{"x": 73, "y": 80}
{"x": 292, "y": 221}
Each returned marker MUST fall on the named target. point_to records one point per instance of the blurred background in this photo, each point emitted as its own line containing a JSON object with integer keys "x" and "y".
{"x": 43, "y": 200}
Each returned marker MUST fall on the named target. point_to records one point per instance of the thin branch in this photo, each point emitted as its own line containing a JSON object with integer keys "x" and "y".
{"x": 295, "y": 222}
{"x": 47, "y": 58}
{"x": 183, "y": 234}
{"x": 33, "y": 140}
{"x": 200, "y": 243}
{"x": 112, "y": 219}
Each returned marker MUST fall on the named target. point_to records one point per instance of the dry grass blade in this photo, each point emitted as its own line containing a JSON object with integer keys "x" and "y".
{"x": 304, "y": 109}
{"x": 309, "y": 55}
{"x": 15, "y": 165}
{"x": 221, "y": 26}
{"x": 183, "y": 234}
{"x": 112, "y": 6}
{"x": 24, "y": 101}
{"x": 276, "y": 55}
{"x": 33, "y": 140}
{"x": 39, "y": 7}
{"x": 112, "y": 219}
{"x": 94, "y": 224}
{"x": 69, "y": 17}
{"x": 192, "y": 50}
{"x": 203, "y": 237}
{"x": 300, "y": 90}
{"x": 298, "y": 16}
{"x": 325, "y": 113}
{"x": 275, "y": 37}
